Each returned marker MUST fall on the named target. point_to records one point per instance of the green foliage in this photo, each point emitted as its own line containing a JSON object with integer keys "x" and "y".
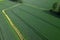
{"x": 56, "y": 7}
{"x": 20, "y": 1}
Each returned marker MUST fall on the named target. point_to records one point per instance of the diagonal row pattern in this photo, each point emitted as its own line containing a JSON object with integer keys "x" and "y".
{"x": 32, "y": 21}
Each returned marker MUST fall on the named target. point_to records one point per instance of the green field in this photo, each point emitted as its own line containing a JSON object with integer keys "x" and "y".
{"x": 31, "y": 19}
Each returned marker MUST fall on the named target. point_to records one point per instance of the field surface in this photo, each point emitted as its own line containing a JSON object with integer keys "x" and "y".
{"x": 29, "y": 20}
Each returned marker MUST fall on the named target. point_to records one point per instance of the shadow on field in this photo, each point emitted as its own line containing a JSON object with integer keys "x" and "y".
{"x": 55, "y": 14}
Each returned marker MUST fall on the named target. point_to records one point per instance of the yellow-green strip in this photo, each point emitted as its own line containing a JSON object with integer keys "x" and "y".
{"x": 12, "y": 24}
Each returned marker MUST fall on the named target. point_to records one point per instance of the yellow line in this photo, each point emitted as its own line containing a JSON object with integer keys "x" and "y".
{"x": 12, "y": 25}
